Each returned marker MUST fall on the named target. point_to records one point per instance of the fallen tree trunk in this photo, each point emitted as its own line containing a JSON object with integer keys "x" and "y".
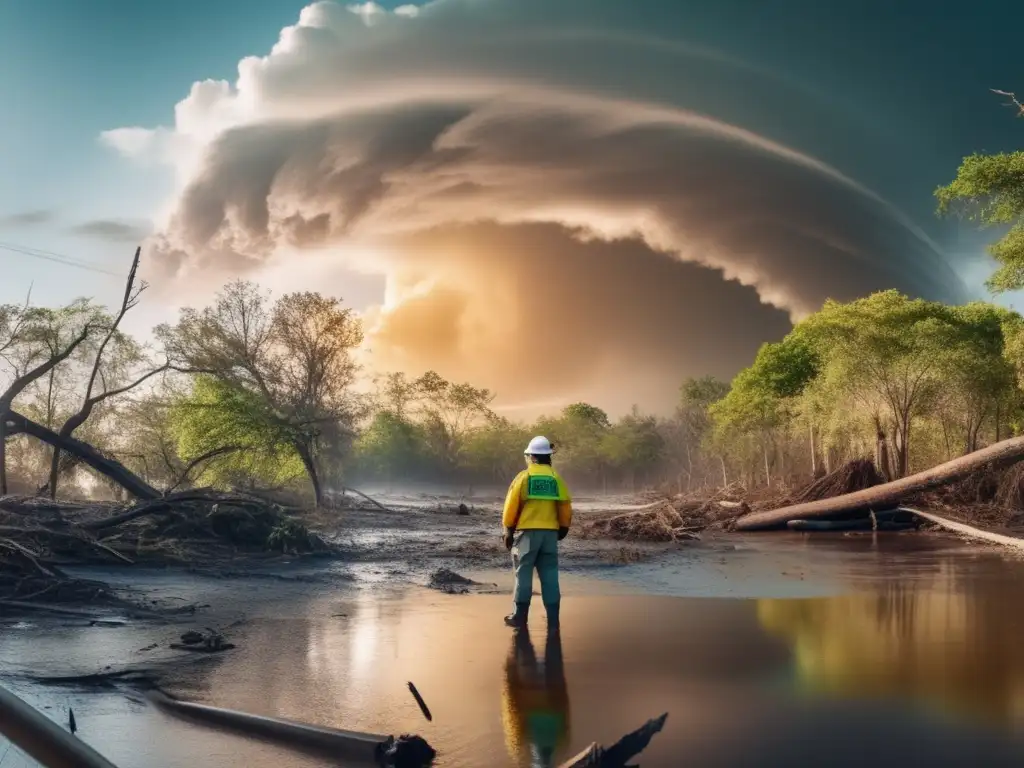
{"x": 968, "y": 530}
{"x": 364, "y": 748}
{"x": 109, "y": 468}
{"x": 887, "y": 495}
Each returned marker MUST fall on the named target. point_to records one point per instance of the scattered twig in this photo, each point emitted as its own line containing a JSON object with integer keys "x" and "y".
{"x": 368, "y": 498}
{"x": 422, "y": 704}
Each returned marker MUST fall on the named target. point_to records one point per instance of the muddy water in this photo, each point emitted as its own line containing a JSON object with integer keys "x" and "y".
{"x": 897, "y": 652}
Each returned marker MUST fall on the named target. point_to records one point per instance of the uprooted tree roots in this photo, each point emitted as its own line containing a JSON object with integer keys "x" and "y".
{"x": 37, "y": 538}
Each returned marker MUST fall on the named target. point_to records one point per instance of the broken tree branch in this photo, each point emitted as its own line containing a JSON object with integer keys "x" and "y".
{"x": 157, "y": 506}
{"x": 18, "y": 386}
{"x": 619, "y": 754}
{"x": 1013, "y": 100}
{"x": 223, "y": 450}
{"x": 346, "y": 489}
{"x": 109, "y": 468}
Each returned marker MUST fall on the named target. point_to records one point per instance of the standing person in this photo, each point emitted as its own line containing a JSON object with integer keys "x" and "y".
{"x": 537, "y": 515}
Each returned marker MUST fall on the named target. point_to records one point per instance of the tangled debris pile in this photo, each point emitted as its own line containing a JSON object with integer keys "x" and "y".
{"x": 988, "y": 494}
{"x": 677, "y": 519}
{"x": 38, "y": 537}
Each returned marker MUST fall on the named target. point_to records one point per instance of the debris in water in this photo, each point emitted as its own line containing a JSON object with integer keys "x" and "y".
{"x": 210, "y": 642}
{"x": 72, "y": 725}
{"x": 407, "y": 752}
{"x": 422, "y": 704}
{"x": 621, "y": 752}
{"x": 452, "y": 583}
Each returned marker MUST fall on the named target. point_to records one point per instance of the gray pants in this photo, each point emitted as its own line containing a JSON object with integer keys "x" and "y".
{"x": 536, "y": 550}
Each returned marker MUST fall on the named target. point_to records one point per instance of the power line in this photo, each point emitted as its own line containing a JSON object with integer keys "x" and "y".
{"x": 58, "y": 258}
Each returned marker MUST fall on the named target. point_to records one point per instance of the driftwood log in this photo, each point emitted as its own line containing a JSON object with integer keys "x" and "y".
{"x": 363, "y": 748}
{"x": 887, "y": 495}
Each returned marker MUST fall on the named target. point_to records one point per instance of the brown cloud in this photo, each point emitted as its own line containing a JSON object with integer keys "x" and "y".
{"x": 538, "y": 315}
{"x": 519, "y": 182}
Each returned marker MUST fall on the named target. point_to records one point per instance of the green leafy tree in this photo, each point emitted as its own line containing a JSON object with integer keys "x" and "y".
{"x": 240, "y": 433}
{"x": 989, "y": 189}
{"x": 448, "y": 413}
{"x": 495, "y": 450}
{"x": 391, "y": 446}
{"x": 761, "y": 403}
{"x": 634, "y": 445}
{"x": 688, "y": 433}
{"x": 288, "y": 363}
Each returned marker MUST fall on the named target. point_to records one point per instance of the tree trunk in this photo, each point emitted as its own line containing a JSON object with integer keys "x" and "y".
{"x": 306, "y": 455}
{"x": 767, "y": 468}
{"x": 109, "y": 468}
{"x": 882, "y": 457}
{"x": 66, "y": 431}
{"x": 888, "y": 495}
{"x": 3, "y": 453}
{"x": 903, "y": 445}
{"x": 725, "y": 477}
{"x": 814, "y": 454}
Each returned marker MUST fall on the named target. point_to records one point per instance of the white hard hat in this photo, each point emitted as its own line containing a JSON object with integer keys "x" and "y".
{"x": 539, "y": 446}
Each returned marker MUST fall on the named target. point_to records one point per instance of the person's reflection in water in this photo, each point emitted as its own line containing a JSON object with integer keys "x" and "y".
{"x": 535, "y": 706}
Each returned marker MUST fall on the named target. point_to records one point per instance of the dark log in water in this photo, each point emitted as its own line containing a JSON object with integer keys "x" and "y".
{"x": 621, "y": 752}
{"x": 365, "y": 748}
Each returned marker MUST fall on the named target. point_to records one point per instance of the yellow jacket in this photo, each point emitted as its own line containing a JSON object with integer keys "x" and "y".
{"x": 546, "y": 510}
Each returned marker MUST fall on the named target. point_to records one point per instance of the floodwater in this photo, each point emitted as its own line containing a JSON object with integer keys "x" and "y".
{"x": 895, "y": 651}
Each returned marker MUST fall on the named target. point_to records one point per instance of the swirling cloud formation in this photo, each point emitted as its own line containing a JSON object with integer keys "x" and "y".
{"x": 534, "y": 175}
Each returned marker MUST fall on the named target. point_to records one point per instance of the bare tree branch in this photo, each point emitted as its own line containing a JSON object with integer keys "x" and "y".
{"x": 223, "y": 450}
{"x": 1013, "y": 100}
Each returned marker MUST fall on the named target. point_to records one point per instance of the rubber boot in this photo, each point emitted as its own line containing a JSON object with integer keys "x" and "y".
{"x": 554, "y": 621}
{"x": 519, "y": 616}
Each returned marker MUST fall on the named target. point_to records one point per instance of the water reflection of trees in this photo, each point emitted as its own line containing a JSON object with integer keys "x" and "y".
{"x": 946, "y": 640}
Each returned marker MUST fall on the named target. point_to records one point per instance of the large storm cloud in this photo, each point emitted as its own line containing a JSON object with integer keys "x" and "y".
{"x": 530, "y": 169}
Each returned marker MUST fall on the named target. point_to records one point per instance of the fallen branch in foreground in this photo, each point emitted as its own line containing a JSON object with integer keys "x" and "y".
{"x": 618, "y": 755}
{"x": 887, "y": 495}
{"x": 367, "y": 748}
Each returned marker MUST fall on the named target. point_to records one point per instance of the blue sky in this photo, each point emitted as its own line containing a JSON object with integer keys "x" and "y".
{"x": 69, "y": 69}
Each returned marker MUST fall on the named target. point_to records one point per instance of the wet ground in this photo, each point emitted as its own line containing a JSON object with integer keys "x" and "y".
{"x": 770, "y": 650}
